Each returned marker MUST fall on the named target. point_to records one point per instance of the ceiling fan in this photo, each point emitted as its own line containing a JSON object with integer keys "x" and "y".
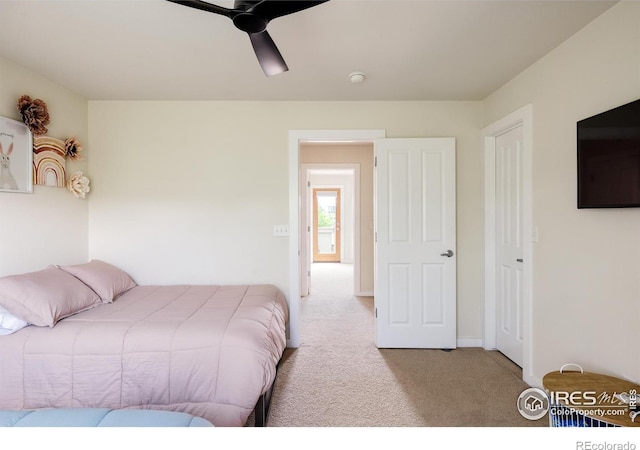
{"x": 252, "y": 17}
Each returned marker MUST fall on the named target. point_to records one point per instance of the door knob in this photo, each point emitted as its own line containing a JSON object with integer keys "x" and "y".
{"x": 448, "y": 254}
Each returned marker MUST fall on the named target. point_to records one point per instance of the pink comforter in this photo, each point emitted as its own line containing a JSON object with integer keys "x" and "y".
{"x": 209, "y": 351}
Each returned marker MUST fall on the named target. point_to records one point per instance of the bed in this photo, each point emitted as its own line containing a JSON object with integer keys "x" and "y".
{"x": 95, "y": 339}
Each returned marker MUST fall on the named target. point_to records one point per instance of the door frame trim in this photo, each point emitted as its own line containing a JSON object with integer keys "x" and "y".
{"x": 524, "y": 117}
{"x": 295, "y": 138}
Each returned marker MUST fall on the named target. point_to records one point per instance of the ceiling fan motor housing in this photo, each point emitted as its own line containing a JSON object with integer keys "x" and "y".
{"x": 250, "y": 23}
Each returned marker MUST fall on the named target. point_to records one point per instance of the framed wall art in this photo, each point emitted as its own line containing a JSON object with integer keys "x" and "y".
{"x": 16, "y": 157}
{"x": 49, "y": 164}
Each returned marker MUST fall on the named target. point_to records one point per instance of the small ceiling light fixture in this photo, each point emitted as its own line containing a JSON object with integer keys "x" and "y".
{"x": 357, "y": 77}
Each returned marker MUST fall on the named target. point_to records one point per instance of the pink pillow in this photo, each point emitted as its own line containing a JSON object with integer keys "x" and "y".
{"x": 106, "y": 280}
{"x": 43, "y": 298}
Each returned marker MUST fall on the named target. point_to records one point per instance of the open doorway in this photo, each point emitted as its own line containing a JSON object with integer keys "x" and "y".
{"x": 332, "y": 193}
{"x": 333, "y": 231}
{"x": 327, "y": 169}
{"x": 332, "y": 147}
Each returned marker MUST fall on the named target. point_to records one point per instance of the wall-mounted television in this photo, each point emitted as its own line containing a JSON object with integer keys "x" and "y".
{"x": 609, "y": 158}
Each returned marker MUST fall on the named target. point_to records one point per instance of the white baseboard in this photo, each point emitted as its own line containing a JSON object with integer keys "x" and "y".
{"x": 459, "y": 342}
{"x": 364, "y": 294}
{"x": 467, "y": 342}
{"x": 534, "y": 381}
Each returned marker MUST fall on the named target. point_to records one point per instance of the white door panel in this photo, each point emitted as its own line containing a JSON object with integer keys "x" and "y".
{"x": 415, "y": 292}
{"x": 509, "y": 242}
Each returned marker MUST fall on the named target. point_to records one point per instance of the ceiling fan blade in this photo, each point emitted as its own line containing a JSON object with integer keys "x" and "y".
{"x": 270, "y": 9}
{"x": 206, "y": 6}
{"x": 268, "y": 54}
{"x": 252, "y": 17}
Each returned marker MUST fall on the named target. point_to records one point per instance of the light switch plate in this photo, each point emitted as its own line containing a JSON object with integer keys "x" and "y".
{"x": 535, "y": 234}
{"x": 281, "y": 230}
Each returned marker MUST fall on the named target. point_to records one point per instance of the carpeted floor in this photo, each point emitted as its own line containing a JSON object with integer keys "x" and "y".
{"x": 338, "y": 378}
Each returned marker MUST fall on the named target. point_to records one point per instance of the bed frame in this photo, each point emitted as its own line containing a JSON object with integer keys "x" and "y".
{"x": 261, "y": 411}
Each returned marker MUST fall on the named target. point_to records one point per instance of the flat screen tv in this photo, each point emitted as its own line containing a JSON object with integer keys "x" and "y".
{"x": 609, "y": 158}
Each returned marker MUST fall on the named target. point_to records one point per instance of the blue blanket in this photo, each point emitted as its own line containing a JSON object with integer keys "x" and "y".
{"x": 99, "y": 417}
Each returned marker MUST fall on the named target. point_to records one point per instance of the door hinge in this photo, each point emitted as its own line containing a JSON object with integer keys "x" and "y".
{"x": 375, "y": 162}
{"x": 308, "y": 183}
{"x": 376, "y": 236}
{"x": 308, "y": 273}
{"x": 308, "y": 229}
{"x": 376, "y": 312}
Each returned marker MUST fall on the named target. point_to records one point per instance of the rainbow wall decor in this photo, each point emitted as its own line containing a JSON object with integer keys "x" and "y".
{"x": 49, "y": 162}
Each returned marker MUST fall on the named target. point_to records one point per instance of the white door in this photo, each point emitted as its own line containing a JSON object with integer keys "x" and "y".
{"x": 509, "y": 244}
{"x": 415, "y": 220}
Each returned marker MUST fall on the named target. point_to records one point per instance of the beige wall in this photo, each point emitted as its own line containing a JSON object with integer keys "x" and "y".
{"x": 586, "y": 266}
{"x": 48, "y": 226}
{"x": 188, "y": 192}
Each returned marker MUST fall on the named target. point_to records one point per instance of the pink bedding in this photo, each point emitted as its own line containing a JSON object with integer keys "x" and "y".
{"x": 210, "y": 351}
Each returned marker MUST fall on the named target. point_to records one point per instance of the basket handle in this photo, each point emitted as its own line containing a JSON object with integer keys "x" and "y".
{"x": 571, "y": 364}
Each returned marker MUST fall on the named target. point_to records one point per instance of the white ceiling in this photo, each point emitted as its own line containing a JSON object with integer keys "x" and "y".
{"x": 409, "y": 49}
